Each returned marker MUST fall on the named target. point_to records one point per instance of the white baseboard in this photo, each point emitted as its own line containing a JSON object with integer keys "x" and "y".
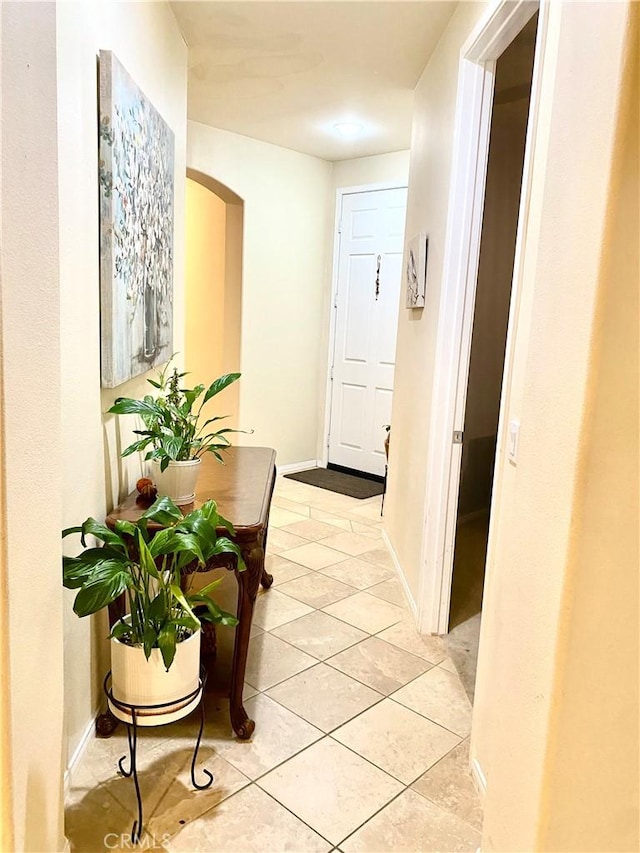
{"x": 401, "y": 577}
{"x": 294, "y": 467}
{"x": 479, "y": 779}
{"x": 79, "y": 751}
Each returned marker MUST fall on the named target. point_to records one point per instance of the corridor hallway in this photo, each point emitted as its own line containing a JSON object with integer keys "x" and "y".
{"x": 362, "y": 726}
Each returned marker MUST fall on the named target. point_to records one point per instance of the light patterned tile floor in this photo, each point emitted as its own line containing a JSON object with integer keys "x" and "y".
{"x": 361, "y": 724}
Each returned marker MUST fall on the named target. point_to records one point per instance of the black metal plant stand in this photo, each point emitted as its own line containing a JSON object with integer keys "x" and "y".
{"x": 132, "y": 738}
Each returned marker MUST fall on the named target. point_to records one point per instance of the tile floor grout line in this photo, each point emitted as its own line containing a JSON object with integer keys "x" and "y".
{"x": 321, "y": 660}
{"x": 356, "y": 678}
{"x": 297, "y": 817}
{"x": 404, "y": 786}
{"x": 357, "y": 626}
{"x": 399, "y": 794}
{"x": 444, "y": 808}
{"x": 300, "y": 601}
{"x": 271, "y": 797}
{"x": 350, "y": 624}
{"x": 311, "y": 666}
{"x": 348, "y": 720}
{"x": 424, "y": 716}
{"x": 371, "y": 761}
{"x": 397, "y": 648}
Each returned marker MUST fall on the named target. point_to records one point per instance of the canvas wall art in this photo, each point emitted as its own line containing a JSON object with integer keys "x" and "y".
{"x": 136, "y": 168}
{"x": 416, "y": 270}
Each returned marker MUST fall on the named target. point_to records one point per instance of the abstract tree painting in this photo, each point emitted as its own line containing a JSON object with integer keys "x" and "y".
{"x": 136, "y": 172}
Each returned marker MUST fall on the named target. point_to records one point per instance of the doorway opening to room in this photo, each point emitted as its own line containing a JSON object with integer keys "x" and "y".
{"x": 509, "y": 119}
{"x": 213, "y": 285}
{"x": 369, "y": 243}
{"x": 492, "y": 165}
{"x": 511, "y": 100}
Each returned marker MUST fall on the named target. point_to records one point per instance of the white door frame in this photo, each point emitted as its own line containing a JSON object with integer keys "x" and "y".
{"x": 340, "y": 193}
{"x": 493, "y": 34}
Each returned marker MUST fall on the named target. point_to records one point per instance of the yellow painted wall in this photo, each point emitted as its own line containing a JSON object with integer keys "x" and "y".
{"x": 561, "y": 573}
{"x": 204, "y": 282}
{"x": 6, "y": 809}
{"x": 207, "y": 325}
{"x": 592, "y": 775}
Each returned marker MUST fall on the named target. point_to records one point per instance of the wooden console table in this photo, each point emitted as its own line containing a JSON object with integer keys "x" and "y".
{"x": 242, "y": 489}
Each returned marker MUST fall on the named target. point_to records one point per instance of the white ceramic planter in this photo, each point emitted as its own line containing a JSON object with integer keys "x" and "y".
{"x": 177, "y": 481}
{"x": 138, "y": 681}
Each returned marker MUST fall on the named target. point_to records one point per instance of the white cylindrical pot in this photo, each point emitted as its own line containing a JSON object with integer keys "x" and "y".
{"x": 138, "y": 681}
{"x": 177, "y": 481}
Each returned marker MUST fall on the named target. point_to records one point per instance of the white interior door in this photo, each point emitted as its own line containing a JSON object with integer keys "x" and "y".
{"x": 367, "y": 302}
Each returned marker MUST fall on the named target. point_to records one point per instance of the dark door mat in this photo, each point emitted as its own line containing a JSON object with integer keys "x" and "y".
{"x": 336, "y": 481}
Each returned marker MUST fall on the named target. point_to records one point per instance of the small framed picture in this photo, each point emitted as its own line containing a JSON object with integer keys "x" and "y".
{"x": 416, "y": 270}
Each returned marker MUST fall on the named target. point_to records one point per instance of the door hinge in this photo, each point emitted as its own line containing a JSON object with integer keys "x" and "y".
{"x": 331, "y": 373}
{"x": 339, "y": 226}
{"x": 458, "y": 435}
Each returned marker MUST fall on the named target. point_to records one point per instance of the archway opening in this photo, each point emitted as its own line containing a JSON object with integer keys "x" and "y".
{"x": 213, "y": 286}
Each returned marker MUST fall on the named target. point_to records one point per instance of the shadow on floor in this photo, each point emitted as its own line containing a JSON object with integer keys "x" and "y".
{"x": 466, "y": 598}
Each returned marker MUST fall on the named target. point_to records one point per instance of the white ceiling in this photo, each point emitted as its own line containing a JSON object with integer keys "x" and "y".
{"x": 286, "y": 72}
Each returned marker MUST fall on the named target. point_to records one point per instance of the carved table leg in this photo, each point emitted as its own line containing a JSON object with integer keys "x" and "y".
{"x": 248, "y": 583}
{"x": 266, "y": 580}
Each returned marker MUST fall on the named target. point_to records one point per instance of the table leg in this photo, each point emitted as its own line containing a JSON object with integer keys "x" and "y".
{"x": 266, "y": 580}
{"x": 248, "y": 582}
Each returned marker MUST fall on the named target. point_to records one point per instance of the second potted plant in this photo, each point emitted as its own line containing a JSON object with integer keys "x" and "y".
{"x": 155, "y": 648}
{"x": 174, "y": 436}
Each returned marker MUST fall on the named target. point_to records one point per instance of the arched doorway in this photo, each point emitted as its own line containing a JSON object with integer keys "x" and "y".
{"x": 213, "y": 285}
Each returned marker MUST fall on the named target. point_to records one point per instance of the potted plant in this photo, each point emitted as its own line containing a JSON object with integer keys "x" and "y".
{"x": 174, "y": 436}
{"x": 155, "y": 648}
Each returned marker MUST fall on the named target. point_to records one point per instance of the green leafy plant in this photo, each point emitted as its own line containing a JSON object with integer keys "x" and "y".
{"x": 173, "y": 431}
{"x": 147, "y": 566}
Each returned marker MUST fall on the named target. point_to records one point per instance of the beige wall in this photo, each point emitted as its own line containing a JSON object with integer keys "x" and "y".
{"x": 146, "y": 39}
{"x": 591, "y": 778}
{"x": 286, "y": 205}
{"x": 30, "y": 422}
{"x": 361, "y": 171}
{"x": 555, "y": 717}
{"x": 6, "y": 805}
{"x": 208, "y": 323}
{"x": 427, "y": 206}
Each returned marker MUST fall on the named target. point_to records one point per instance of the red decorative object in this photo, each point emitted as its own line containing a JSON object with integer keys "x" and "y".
{"x": 146, "y": 489}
